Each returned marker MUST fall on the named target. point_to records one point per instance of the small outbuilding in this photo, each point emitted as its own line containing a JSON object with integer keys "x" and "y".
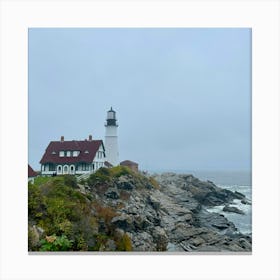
{"x": 131, "y": 164}
{"x": 31, "y": 174}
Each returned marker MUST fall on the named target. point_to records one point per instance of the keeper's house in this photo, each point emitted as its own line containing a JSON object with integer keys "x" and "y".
{"x": 73, "y": 157}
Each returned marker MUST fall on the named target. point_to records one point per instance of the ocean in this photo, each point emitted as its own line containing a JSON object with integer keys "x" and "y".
{"x": 240, "y": 181}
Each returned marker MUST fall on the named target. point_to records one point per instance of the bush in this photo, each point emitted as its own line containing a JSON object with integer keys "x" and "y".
{"x": 124, "y": 243}
{"x": 104, "y": 171}
{"x": 35, "y": 202}
{"x": 99, "y": 178}
{"x": 118, "y": 171}
{"x": 62, "y": 211}
{"x": 70, "y": 181}
{"x": 56, "y": 243}
{"x": 154, "y": 183}
{"x": 106, "y": 213}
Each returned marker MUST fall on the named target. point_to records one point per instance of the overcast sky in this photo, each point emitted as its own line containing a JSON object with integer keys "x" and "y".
{"x": 182, "y": 96}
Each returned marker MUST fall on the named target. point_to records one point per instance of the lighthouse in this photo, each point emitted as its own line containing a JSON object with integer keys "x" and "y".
{"x": 111, "y": 138}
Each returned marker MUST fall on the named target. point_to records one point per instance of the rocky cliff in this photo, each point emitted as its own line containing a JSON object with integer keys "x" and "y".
{"x": 165, "y": 212}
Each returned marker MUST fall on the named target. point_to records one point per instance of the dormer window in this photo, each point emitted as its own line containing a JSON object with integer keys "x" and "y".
{"x": 86, "y": 151}
{"x": 75, "y": 153}
{"x": 61, "y": 153}
{"x": 53, "y": 153}
{"x": 68, "y": 153}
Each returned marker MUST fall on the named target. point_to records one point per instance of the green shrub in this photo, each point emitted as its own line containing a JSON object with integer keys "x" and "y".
{"x": 40, "y": 180}
{"x": 104, "y": 171}
{"x": 99, "y": 178}
{"x": 70, "y": 181}
{"x": 56, "y": 243}
{"x": 35, "y": 202}
{"x": 124, "y": 243}
{"x": 61, "y": 210}
{"x": 119, "y": 170}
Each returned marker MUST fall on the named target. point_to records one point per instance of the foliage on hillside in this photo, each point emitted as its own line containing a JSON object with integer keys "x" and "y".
{"x": 61, "y": 218}
{"x": 109, "y": 176}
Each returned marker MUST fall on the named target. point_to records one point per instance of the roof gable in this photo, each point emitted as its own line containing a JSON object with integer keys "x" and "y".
{"x": 31, "y": 172}
{"x": 128, "y": 162}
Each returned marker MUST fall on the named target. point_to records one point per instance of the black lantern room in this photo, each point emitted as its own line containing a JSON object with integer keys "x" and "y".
{"x": 111, "y": 118}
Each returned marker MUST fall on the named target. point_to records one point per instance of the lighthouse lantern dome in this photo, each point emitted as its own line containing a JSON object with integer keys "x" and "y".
{"x": 111, "y": 114}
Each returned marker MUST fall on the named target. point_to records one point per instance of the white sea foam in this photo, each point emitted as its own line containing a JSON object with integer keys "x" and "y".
{"x": 242, "y": 222}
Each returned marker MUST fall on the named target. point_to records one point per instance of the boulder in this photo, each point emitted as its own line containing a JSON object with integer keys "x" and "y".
{"x": 124, "y": 222}
{"x": 143, "y": 242}
{"x": 140, "y": 222}
{"x": 238, "y": 195}
{"x": 233, "y": 209}
{"x": 110, "y": 245}
{"x": 125, "y": 183}
{"x": 245, "y": 201}
{"x": 154, "y": 202}
{"x": 112, "y": 193}
{"x": 160, "y": 238}
{"x": 213, "y": 221}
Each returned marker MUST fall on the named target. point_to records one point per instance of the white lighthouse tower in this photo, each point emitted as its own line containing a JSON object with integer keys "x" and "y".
{"x": 111, "y": 138}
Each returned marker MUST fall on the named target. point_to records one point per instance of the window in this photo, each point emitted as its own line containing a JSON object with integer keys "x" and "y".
{"x": 59, "y": 169}
{"x": 72, "y": 169}
{"x": 99, "y": 154}
{"x": 68, "y": 154}
{"x": 65, "y": 169}
{"x": 86, "y": 151}
{"x": 61, "y": 153}
{"x": 84, "y": 166}
{"x": 75, "y": 153}
{"x": 53, "y": 153}
{"x": 51, "y": 167}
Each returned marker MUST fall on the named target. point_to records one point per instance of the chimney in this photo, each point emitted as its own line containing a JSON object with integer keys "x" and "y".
{"x": 61, "y": 138}
{"x": 90, "y": 137}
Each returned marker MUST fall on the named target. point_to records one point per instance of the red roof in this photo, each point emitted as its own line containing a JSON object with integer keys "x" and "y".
{"x": 31, "y": 172}
{"x": 87, "y": 149}
{"x": 128, "y": 162}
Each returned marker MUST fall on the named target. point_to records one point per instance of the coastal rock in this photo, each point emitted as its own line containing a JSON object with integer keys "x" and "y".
{"x": 124, "y": 222}
{"x": 214, "y": 221}
{"x": 35, "y": 233}
{"x": 110, "y": 245}
{"x": 174, "y": 217}
{"x": 125, "y": 183}
{"x": 143, "y": 242}
{"x": 112, "y": 193}
{"x": 239, "y": 195}
{"x": 160, "y": 238}
{"x": 245, "y": 201}
{"x": 233, "y": 209}
{"x": 154, "y": 202}
{"x": 141, "y": 222}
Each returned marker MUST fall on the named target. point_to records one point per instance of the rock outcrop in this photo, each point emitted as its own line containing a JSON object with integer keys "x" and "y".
{"x": 172, "y": 216}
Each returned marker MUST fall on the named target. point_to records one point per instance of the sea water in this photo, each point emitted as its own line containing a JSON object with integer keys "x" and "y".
{"x": 239, "y": 181}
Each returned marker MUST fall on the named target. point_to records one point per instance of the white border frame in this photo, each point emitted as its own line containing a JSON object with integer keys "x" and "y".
{"x": 17, "y": 16}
